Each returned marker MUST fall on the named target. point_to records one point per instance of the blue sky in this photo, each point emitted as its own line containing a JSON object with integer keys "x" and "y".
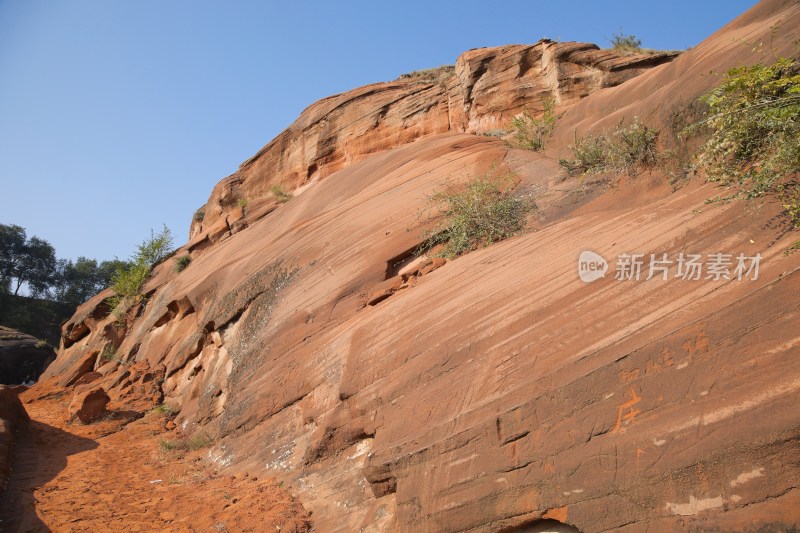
{"x": 118, "y": 116}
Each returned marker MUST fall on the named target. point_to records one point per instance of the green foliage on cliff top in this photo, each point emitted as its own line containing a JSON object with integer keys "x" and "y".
{"x": 754, "y": 145}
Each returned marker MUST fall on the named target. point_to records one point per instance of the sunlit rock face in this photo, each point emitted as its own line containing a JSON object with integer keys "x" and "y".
{"x": 498, "y": 390}
{"x": 485, "y": 90}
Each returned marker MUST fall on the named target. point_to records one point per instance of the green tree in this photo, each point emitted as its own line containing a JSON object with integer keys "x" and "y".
{"x": 33, "y": 262}
{"x": 155, "y": 249}
{"x": 37, "y": 267}
{"x": 128, "y": 281}
{"x": 107, "y": 269}
{"x": 77, "y": 281}
{"x": 54, "y": 287}
{"x": 12, "y": 246}
{"x": 25, "y": 261}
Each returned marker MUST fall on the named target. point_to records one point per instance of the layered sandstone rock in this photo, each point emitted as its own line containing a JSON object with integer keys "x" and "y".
{"x": 487, "y": 88}
{"x": 493, "y": 85}
{"x": 496, "y": 391}
{"x": 22, "y": 357}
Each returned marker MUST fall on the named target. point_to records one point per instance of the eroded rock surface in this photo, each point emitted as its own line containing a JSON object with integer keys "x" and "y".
{"x": 88, "y": 405}
{"x": 22, "y": 357}
{"x": 488, "y": 87}
{"x": 496, "y": 391}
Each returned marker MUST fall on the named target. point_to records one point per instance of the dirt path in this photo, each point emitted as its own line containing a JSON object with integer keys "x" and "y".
{"x": 118, "y": 475}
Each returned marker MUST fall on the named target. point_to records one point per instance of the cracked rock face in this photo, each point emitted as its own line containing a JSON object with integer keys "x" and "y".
{"x": 497, "y": 391}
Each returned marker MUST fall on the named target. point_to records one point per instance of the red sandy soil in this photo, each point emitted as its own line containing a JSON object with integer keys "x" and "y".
{"x": 116, "y": 475}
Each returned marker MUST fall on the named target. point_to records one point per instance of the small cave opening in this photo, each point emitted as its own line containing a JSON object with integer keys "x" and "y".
{"x": 312, "y": 172}
{"x": 547, "y": 525}
{"x": 396, "y": 263}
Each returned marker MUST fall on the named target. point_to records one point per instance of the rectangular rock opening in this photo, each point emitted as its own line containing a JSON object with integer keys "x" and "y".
{"x": 398, "y": 262}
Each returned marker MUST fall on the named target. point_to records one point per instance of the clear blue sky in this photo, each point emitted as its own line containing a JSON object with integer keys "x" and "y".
{"x": 118, "y": 116}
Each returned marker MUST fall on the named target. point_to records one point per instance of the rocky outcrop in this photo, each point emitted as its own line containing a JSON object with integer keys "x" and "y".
{"x": 487, "y": 88}
{"x": 88, "y": 405}
{"x": 13, "y": 419}
{"x": 22, "y": 357}
{"x": 498, "y": 391}
{"x": 493, "y": 85}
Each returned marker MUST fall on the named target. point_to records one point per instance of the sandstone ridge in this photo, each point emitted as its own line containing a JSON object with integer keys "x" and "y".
{"x": 495, "y": 391}
{"x": 488, "y": 87}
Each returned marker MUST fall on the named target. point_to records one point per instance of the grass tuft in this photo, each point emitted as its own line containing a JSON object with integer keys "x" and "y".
{"x": 477, "y": 214}
{"x": 624, "y": 150}
{"x": 182, "y": 262}
{"x": 438, "y": 75}
{"x": 530, "y": 132}
{"x": 198, "y": 441}
{"x": 281, "y": 195}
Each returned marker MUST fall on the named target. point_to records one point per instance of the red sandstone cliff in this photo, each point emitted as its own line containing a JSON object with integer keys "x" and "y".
{"x": 498, "y": 389}
{"x": 486, "y": 89}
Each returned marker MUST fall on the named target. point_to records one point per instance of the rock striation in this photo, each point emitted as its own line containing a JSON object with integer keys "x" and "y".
{"x": 498, "y": 391}
{"x": 486, "y": 89}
